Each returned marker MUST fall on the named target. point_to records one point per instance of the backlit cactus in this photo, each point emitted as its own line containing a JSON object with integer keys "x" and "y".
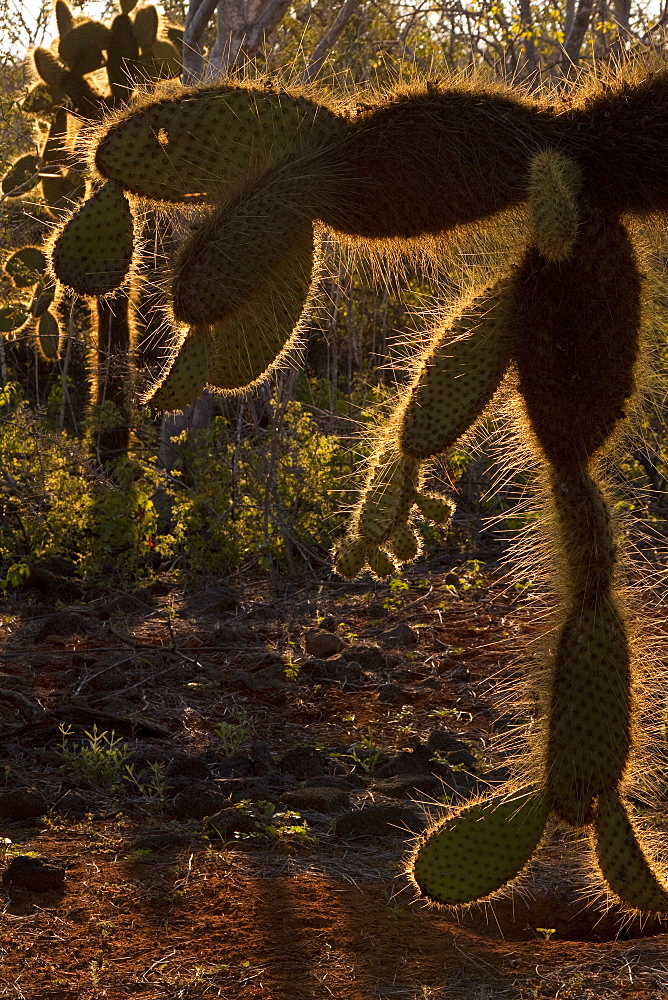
{"x": 566, "y": 318}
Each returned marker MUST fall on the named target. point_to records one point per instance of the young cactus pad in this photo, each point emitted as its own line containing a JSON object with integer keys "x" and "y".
{"x": 93, "y": 252}
{"x": 480, "y": 849}
{"x": 187, "y": 374}
{"x": 458, "y": 376}
{"x": 621, "y": 859}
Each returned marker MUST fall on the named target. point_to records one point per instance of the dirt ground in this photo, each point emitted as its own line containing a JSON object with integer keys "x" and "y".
{"x": 212, "y": 693}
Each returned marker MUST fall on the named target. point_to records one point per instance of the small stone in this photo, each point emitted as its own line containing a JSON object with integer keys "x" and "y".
{"x": 196, "y": 803}
{"x": 321, "y": 799}
{"x": 462, "y": 757}
{"x": 389, "y": 694}
{"x": 443, "y": 741}
{"x": 411, "y": 762}
{"x": 229, "y": 821}
{"x": 322, "y": 644}
{"x": 400, "y": 635}
{"x": 37, "y": 874}
{"x": 380, "y": 820}
{"x": 74, "y": 805}
{"x": 239, "y": 765}
{"x": 407, "y": 786}
{"x": 369, "y": 657}
{"x": 267, "y": 679}
{"x": 351, "y": 783}
{"x": 303, "y": 762}
{"x": 22, "y": 803}
{"x": 190, "y": 767}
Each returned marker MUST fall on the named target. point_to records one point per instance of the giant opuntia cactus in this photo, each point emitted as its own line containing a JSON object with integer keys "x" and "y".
{"x": 568, "y": 317}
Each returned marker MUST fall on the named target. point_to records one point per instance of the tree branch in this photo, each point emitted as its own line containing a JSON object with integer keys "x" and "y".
{"x": 329, "y": 39}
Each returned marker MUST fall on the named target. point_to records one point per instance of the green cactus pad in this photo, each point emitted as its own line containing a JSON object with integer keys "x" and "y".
{"x": 458, "y": 376}
{"x": 621, "y": 859}
{"x": 50, "y": 70}
{"x": 555, "y": 181}
{"x": 187, "y": 374}
{"x": 122, "y": 53}
{"x": 349, "y": 558}
{"x": 589, "y": 712}
{"x": 145, "y": 26}
{"x": 48, "y": 336}
{"x": 93, "y": 251}
{"x": 61, "y": 188}
{"x": 404, "y": 543}
{"x": 12, "y": 316}
{"x": 387, "y": 497}
{"x": 25, "y": 266}
{"x": 207, "y": 141}
{"x": 258, "y": 239}
{"x": 252, "y": 340}
{"x": 434, "y": 508}
{"x": 380, "y": 563}
{"x": 22, "y": 176}
{"x": 480, "y": 849}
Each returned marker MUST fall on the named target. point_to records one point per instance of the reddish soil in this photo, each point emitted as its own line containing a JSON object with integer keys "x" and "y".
{"x": 295, "y": 911}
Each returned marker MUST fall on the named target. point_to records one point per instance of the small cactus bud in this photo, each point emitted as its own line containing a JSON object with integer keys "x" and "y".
{"x": 349, "y": 557}
{"x": 554, "y": 185}
{"x": 380, "y": 563}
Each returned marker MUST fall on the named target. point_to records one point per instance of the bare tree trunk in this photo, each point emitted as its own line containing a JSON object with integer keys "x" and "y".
{"x": 575, "y": 37}
{"x": 199, "y": 14}
{"x": 243, "y": 26}
{"x": 329, "y": 39}
{"x": 530, "y": 68}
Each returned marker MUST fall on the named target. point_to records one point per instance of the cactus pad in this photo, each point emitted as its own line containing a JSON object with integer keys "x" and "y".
{"x": 350, "y": 557}
{"x": 48, "y": 336}
{"x": 208, "y": 141}
{"x": 589, "y": 715}
{"x": 186, "y": 374}
{"x": 380, "y": 563}
{"x": 621, "y": 859}
{"x": 480, "y": 849}
{"x": 25, "y": 266}
{"x": 458, "y": 376}
{"x": 22, "y": 176}
{"x": 258, "y": 241}
{"x": 554, "y": 185}
{"x": 93, "y": 251}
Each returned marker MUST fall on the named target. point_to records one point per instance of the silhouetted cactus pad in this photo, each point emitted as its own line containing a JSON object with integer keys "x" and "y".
{"x": 482, "y": 848}
{"x": 621, "y": 859}
{"x": 93, "y": 252}
{"x": 22, "y": 176}
{"x": 187, "y": 374}
{"x": 12, "y": 316}
{"x": 25, "y": 266}
{"x": 48, "y": 336}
